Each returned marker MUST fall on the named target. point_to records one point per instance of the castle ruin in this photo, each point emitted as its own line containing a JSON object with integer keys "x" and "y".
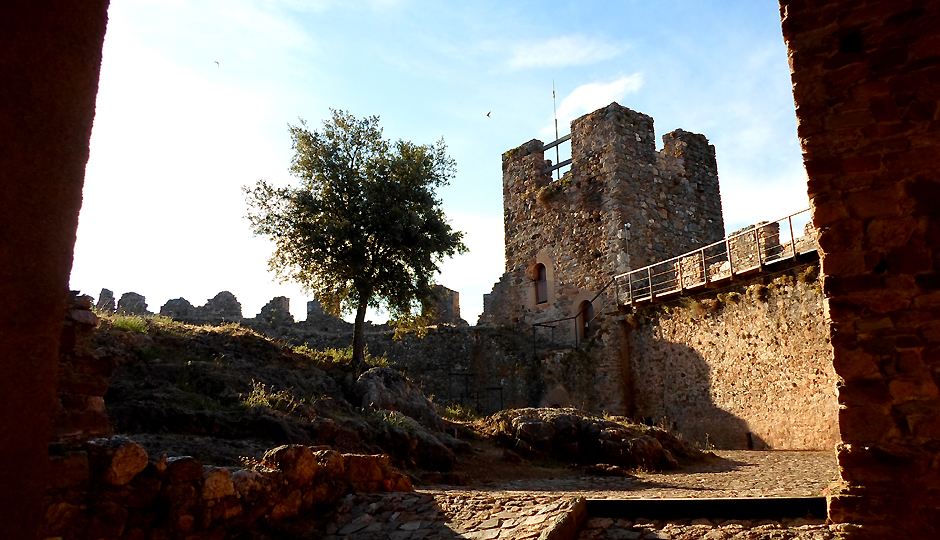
{"x": 749, "y": 372}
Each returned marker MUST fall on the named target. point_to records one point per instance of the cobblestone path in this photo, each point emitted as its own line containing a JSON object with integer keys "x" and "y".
{"x": 545, "y": 508}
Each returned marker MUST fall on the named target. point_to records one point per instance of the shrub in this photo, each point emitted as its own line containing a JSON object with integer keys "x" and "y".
{"x": 808, "y": 274}
{"x": 332, "y": 357}
{"x": 130, "y": 323}
{"x": 262, "y": 396}
{"x": 397, "y": 420}
{"x": 460, "y": 413}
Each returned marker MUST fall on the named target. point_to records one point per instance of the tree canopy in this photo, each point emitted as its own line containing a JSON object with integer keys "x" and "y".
{"x": 365, "y": 226}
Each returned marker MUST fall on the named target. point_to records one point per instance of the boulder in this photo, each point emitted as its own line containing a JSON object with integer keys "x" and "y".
{"x": 382, "y": 388}
{"x": 297, "y": 462}
{"x": 411, "y": 443}
{"x": 576, "y": 436}
{"x": 116, "y": 460}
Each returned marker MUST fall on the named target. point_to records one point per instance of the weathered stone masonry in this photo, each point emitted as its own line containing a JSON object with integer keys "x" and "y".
{"x": 574, "y": 230}
{"x": 745, "y": 367}
{"x": 754, "y": 373}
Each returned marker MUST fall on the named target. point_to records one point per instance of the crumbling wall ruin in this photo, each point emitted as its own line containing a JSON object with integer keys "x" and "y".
{"x": 445, "y": 308}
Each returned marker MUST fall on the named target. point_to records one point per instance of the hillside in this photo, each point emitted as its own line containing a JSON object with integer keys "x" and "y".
{"x": 226, "y": 394}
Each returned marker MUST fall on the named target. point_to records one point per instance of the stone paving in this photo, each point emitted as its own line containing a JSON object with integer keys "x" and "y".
{"x": 545, "y": 508}
{"x": 448, "y": 514}
{"x": 641, "y": 529}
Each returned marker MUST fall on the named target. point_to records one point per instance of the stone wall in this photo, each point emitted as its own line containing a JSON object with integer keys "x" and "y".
{"x": 111, "y": 488}
{"x": 83, "y": 377}
{"x": 746, "y": 367}
{"x": 445, "y": 308}
{"x": 487, "y": 369}
{"x": 865, "y": 83}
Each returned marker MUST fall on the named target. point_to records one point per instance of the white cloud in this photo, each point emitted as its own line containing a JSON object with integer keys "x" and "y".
{"x": 591, "y": 96}
{"x": 574, "y": 50}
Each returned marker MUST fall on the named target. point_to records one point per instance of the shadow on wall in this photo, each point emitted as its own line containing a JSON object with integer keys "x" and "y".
{"x": 678, "y": 397}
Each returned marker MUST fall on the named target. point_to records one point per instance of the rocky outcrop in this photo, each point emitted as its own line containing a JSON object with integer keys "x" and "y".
{"x": 132, "y": 303}
{"x": 575, "y": 436}
{"x": 382, "y": 388}
{"x": 112, "y": 488}
{"x": 105, "y": 300}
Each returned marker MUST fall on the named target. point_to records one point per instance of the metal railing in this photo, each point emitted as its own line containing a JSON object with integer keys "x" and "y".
{"x": 578, "y": 324}
{"x": 555, "y": 144}
{"x": 742, "y": 252}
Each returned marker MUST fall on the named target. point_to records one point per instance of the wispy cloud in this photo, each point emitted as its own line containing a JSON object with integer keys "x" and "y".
{"x": 592, "y": 96}
{"x": 573, "y": 50}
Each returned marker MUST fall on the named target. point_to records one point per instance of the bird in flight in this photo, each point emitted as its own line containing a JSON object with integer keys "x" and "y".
{"x": 217, "y": 64}
{"x": 488, "y": 114}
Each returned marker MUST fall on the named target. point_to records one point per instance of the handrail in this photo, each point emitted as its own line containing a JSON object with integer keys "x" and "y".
{"x": 701, "y": 266}
{"x": 556, "y": 142}
{"x": 668, "y": 276}
{"x": 550, "y": 324}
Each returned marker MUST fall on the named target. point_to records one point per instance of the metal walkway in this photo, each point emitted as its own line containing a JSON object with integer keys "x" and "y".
{"x": 745, "y": 252}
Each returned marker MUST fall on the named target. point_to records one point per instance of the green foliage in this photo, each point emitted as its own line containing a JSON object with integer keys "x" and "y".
{"x": 262, "y": 396}
{"x": 331, "y": 357}
{"x": 550, "y": 191}
{"x": 130, "y": 323}
{"x": 460, "y": 413}
{"x": 412, "y": 324}
{"x": 364, "y": 227}
{"x": 168, "y": 325}
{"x": 396, "y": 420}
{"x": 810, "y": 274}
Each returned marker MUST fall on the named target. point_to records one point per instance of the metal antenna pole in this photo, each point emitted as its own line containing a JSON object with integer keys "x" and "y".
{"x": 555, "y": 113}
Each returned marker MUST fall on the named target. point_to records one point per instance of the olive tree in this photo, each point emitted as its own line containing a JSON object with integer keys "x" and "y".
{"x": 364, "y": 227}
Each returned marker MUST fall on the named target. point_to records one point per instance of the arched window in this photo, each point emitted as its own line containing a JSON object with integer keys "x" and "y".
{"x": 585, "y": 318}
{"x": 541, "y": 284}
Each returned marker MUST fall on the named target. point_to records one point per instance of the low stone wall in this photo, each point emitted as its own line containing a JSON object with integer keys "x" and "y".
{"x": 111, "y": 488}
{"x": 745, "y": 367}
{"x": 82, "y": 376}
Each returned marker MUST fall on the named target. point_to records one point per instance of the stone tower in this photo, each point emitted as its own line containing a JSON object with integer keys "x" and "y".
{"x": 621, "y": 206}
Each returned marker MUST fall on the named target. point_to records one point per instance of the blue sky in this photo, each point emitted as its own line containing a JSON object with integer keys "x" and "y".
{"x": 176, "y": 135}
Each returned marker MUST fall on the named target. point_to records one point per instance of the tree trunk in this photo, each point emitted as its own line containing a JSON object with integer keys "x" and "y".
{"x": 359, "y": 341}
